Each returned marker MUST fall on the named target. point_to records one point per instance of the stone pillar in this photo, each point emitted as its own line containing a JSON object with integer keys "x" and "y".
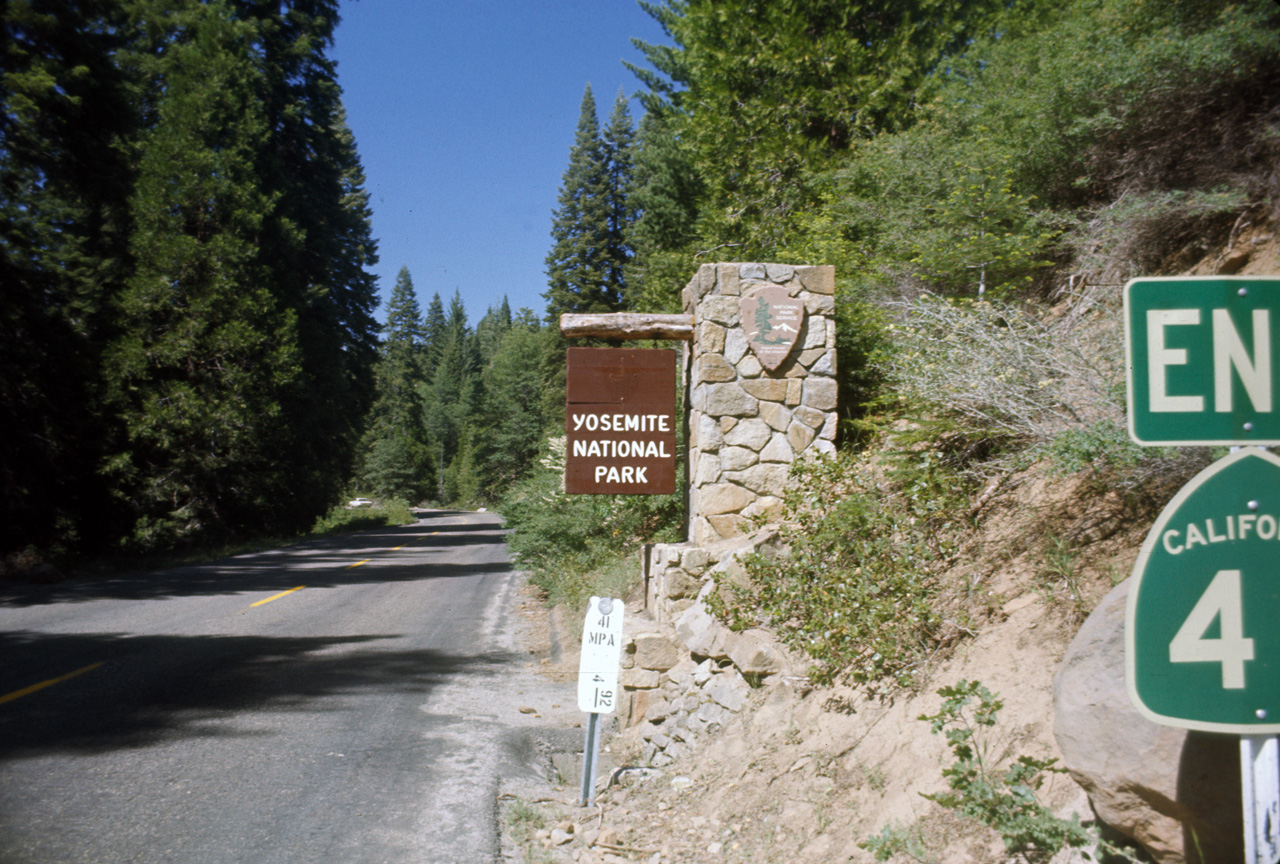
{"x": 747, "y": 424}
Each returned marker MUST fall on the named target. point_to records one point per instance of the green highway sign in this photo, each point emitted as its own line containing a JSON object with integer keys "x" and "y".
{"x": 1202, "y": 356}
{"x": 1202, "y": 645}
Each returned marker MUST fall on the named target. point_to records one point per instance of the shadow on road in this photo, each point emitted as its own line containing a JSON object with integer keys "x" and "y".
{"x": 153, "y": 689}
{"x": 394, "y": 554}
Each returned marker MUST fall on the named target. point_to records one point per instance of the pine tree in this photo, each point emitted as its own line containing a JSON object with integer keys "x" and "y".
{"x": 396, "y": 457}
{"x": 206, "y": 354}
{"x": 317, "y": 249}
{"x": 665, "y": 194}
{"x": 579, "y": 263}
{"x": 510, "y": 422}
{"x": 65, "y": 121}
{"x": 491, "y": 330}
{"x": 433, "y": 334}
{"x": 449, "y": 396}
{"x": 618, "y": 141}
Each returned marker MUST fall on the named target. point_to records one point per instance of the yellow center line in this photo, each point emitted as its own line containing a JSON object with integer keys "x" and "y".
{"x": 27, "y": 691}
{"x": 348, "y": 567}
{"x": 277, "y": 596}
{"x": 402, "y": 545}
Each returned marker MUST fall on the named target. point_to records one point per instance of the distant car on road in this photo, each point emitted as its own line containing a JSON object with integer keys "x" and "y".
{"x": 360, "y": 502}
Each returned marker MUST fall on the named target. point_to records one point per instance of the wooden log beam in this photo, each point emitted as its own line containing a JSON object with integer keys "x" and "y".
{"x": 628, "y": 325}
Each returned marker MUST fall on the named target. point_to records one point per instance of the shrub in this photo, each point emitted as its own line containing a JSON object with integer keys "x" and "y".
{"x": 341, "y": 519}
{"x": 564, "y": 539}
{"x": 858, "y": 592}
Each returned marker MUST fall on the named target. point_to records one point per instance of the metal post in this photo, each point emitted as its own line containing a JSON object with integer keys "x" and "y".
{"x": 590, "y": 756}
{"x": 1260, "y": 788}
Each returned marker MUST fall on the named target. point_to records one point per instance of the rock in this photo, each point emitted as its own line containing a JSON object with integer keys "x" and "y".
{"x": 765, "y": 479}
{"x": 656, "y": 651}
{"x": 724, "y": 498}
{"x": 710, "y": 437}
{"x": 659, "y": 711}
{"x": 735, "y": 345}
{"x": 780, "y": 273}
{"x": 712, "y": 714}
{"x": 714, "y": 368}
{"x": 820, "y": 393}
{"x": 701, "y": 633}
{"x": 637, "y": 678}
{"x": 752, "y": 434}
{"x": 729, "y": 400}
{"x": 729, "y": 690}
{"x": 818, "y": 279}
{"x": 800, "y": 436}
{"x": 737, "y": 458}
{"x": 679, "y": 584}
{"x": 778, "y": 450}
{"x": 1175, "y": 792}
{"x": 755, "y": 652}
{"x": 751, "y": 271}
{"x": 721, "y": 310}
{"x": 681, "y": 673}
{"x": 770, "y": 389}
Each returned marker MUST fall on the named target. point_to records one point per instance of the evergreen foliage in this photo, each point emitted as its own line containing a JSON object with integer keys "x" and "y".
{"x": 188, "y": 335}
{"x": 396, "y": 454}
{"x": 189, "y": 348}
{"x": 588, "y": 253}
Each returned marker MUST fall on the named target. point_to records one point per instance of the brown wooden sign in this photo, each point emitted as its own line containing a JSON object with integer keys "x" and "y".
{"x": 620, "y": 422}
{"x": 772, "y": 320}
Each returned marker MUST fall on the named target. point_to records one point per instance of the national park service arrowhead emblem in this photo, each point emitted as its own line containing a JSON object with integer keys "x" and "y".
{"x": 772, "y": 320}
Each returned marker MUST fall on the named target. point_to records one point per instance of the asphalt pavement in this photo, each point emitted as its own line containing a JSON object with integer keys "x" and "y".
{"x": 351, "y": 699}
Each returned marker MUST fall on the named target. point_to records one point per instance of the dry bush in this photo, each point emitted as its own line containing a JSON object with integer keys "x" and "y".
{"x": 1045, "y": 385}
{"x": 1005, "y": 370}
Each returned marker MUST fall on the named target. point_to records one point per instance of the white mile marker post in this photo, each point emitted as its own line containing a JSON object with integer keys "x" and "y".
{"x": 598, "y": 679}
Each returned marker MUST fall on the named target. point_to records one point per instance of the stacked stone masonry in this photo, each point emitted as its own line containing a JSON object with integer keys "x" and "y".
{"x": 684, "y": 673}
{"x": 747, "y": 424}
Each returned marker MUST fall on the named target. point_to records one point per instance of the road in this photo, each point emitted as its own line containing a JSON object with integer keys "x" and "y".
{"x": 350, "y": 699}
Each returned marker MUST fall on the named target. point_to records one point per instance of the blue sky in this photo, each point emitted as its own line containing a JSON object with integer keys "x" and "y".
{"x": 464, "y": 114}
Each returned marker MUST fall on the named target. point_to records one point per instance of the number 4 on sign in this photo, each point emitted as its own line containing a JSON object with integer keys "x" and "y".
{"x": 1221, "y": 600}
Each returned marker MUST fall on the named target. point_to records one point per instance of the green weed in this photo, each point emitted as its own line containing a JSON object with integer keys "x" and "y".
{"x": 1004, "y": 800}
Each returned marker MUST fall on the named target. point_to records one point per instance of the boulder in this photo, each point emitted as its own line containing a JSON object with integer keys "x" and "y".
{"x": 755, "y": 652}
{"x": 701, "y": 633}
{"x": 729, "y": 690}
{"x": 1176, "y": 792}
{"x": 655, "y": 651}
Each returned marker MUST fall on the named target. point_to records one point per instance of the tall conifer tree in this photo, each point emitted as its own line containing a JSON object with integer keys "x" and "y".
{"x": 206, "y": 353}
{"x": 578, "y": 265}
{"x": 617, "y": 144}
{"x": 65, "y": 122}
{"x": 396, "y": 457}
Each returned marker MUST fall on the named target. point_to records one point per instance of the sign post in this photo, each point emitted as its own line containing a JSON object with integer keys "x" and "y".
{"x": 1201, "y": 647}
{"x": 598, "y": 679}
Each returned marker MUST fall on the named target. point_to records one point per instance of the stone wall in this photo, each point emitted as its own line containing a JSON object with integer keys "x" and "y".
{"x": 683, "y": 672}
{"x": 747, "y": 423}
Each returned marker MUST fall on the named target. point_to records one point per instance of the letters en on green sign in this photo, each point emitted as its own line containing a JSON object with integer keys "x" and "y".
{"x": 1202, "y": 645}
{"x": 1202, "y": 356}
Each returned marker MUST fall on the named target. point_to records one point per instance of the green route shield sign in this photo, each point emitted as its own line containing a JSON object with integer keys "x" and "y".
{"x": 1203, "y": 357}
{"x": 1202, "y": 626}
